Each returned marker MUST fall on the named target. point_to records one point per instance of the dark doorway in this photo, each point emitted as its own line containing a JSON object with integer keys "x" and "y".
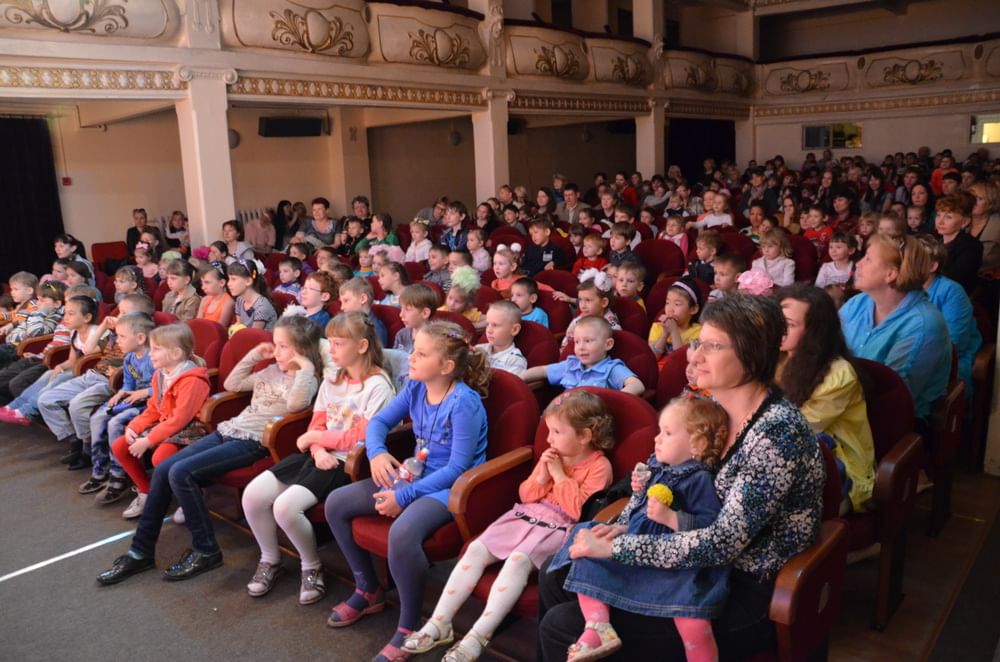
{"x": 690, "y": 142}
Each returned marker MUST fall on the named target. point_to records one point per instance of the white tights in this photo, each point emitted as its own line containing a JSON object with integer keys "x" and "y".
{"x": 268, "y": 503}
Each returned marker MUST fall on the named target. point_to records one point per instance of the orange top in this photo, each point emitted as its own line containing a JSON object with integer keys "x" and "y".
{"x": 582, "y": 479}
{"x": 168, "y": 412}
{"x": 213, "y": 309}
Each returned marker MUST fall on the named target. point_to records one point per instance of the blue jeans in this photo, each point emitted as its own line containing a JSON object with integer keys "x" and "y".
{"x": 104, "y": 428}
{"x": 182, "y": 475}
{"x": 27, "y": 402}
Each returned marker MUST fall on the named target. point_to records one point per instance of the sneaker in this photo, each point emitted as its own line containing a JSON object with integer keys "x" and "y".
{"x": 17, "y": 418}
{"x": 116, "y": 490}
{"x": 178, "y": 516}
{"x": 263, "y": 579}
{"x": 135, "y": 508}
{"x": 313, "y": 588}
{"x": 93, "y": 485}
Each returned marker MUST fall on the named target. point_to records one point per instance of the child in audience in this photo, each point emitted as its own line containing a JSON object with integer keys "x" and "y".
{"x": 511, "y": 219}
{"x": 817, "y": 229}
{"x": 458, "y": 259}
{"x": 678, "y": 324}
{"x": 108, "y": 421}
{"x": 78, "y": 273}
{"x": 620, "y": 238}
{"x": 22, "y": 290}
{"x": 892, "y": 225}
{"x": 718, "y": 214}
{"x": 728, "y": 268}
{"x": 503, "y": 323}
{"x": 301, "y": 250}
{"x": 461, "y": 297}
{"x": 455, "y": 237}
{"x": 317, "y": 293}
{"x": 624, "y": 214}
{"x": 381, "y": 233}
{"x": 353, "y": 233}
{"x": 867, "y": 226}
{"x": 417, "y": 303}
{"x": 366, "y": 261}
{"x": 775, "y": 259}
{"x": 916, "y": 219}
{"x": 630, "y": 280}
{"x": 587, "y": 219}
{"x": 574, "y": 466}
{"x": 420, "y": 245}
{"x": 524, "y": 295}
{"x": 218, "y": 251}
{"x": 392, "y": 278}
{"x": 216, "y": 304}
{"x": 506, "y": 261}
{"x": 347, "y": 400}
{"x": 706, "y": 247}
{"x": 593, "y": 297}
{"x": 591, "y": 255}
{"x": 180, "y": 388}
{"x": 590, "y": 364}
{"x": 437, "y": 261}
{"x": 341, "y": 273}
{"x": 542, "y": 254}
{"x": 182, "y": 300}
{"x": 177, "y": 233}
{"x": 146, "y": 260}
{"x": 577, "y": 233}
{"x": 443, "y": 397}
{"x": 356, "y": 295}
{"x": 840, "y": 269}
{"x": 476, "y": 244}
{"x": 678, "y": 479}
{"x": 289, "y": 272}
{"x": 41, "y": 321}
{"x": 383, "y": 254}
{"x": 253, "y": 305}
{"x": 673, "y": 230}
{"x": 58, "y": 272}
{"x": 128, "y": 280}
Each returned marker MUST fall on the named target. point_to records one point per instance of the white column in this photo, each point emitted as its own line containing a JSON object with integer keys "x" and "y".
{"x": 489, "y": 136}
{"x": 350, "y": 173}
{"x": 650, "y": 140}
{"x": 208, "y": 172}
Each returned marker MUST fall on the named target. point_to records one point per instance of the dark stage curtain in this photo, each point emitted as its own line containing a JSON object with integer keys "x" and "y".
{"x": 30, "y": 214}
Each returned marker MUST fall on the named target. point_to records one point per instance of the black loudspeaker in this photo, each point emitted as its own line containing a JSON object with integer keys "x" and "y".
{"x": 290, "y": 127}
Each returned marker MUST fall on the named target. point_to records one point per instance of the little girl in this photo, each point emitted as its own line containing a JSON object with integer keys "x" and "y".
{"x": 678, "y": 324}
{"x": 392, "y": 278}
{"x": 78, "y": 273}
{"x": 326, "y": 259}
{"x": 840, "y": 269}
{"x": 365, "y": 263}
{"x": 718, "y": 214}
{"x": 128, "y": 280}
{"x": 775, "y": 258}
{"x": 867, "y": 226}
{"x": 676, "y": 480}
{"x": 145, "y": 259}
{"x": 216, "y": 304}
{"x": 182, "y": 300}
{"x": 475, "y": 243}
{"x": 420, "y": 245}
{"x": 180, "y": 388}
{"x": 253, "y": 298}
{"x": 674, "y": 231}
{"x": 591, "y": 255}
{"x": 593, "y": 297}
{"x": 443, "y": 397}
{"x": 218, "y": 251}
{"x": 461, "y": 296}
{"x": 567, "y": 473}
{"x": 506, "y": 261}
{"x": 347, "y": 401}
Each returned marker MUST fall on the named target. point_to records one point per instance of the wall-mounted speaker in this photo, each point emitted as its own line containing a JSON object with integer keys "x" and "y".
{"x": 290, "y": 127}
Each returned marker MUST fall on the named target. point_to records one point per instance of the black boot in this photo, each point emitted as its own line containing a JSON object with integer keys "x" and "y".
{"x": 83, "y": 462}
{"x": 75, "y": 451}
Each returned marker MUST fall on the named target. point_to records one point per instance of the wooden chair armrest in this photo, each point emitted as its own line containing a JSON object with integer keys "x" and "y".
{"x": 116, "y": 378}
{"x": 400, "y": 443}
{"x": 223, "y": 406}
{"x": 982, "y": 366}
{"x": 213, "y": 379}
{"x": 56, "y": 356}
{"x": 895, "y": 490}
{"x": 510, "y": 469}
{"x": 281, "y": 433}
{"x": 610, "y": 512}
{"x": 33, "y": 345}
{"x": 86, "y": 362}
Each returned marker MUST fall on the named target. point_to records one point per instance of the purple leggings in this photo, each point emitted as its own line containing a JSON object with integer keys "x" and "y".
{"x": 407, "y": 561}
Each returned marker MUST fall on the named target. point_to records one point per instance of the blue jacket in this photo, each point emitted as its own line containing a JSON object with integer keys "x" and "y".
{"x": 137, "y": 373}
{"x": 913, "y": 340}
{"x": 951, "y": 299}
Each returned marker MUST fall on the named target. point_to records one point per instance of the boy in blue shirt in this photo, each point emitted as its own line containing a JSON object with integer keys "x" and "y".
{"x": 319, "y": 289}
{"x": 289, "y": 271}
{"x": 590, "y": 364}
{"x": 524, "y": 295}
{"x": 356, "y": 295}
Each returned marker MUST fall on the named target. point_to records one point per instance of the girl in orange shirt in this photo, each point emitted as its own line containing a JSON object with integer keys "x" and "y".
{"x": 216, "y": 304}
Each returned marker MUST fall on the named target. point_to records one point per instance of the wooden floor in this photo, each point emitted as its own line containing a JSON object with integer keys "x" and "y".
{"x": 936, "y": 570}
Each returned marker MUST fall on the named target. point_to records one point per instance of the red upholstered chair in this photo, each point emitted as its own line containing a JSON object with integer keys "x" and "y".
{"x": 161, "y": 291}
{"x": 282, "y": 300}
{"x": 537, "y": 344}
{"x": 485, "y": 296}
{"x": 557, "y": 279}
{"x": 271, "y": 263}
{"x": 898, "y": 456}
{"x": 106, "y": 285}
{"x": 36, "y": 344}
{"x": 390, "y": 317}
{"x": 482, "y": 493}
{"x": 333, "y": 308}
{"x": 405, "y": 238}
{"x": 942, "y": 443}
{"x": 634, "y": 351}
{"x": 692, "y": 235}
{"x": 102, "y": 252}
{"x": 673, "y": 377}
{"x": 461, "y": 320}
{"x": 150, "y": 285}
{"x": 103, "y": 310}
{"x": 487, "y": 277}
{"x": 415, "y": 270}
{"x": 233, "y": 350}
{"x": 161, "y": 318}
{"x": 437, "y": 288}
{"x": 209, "y": 339}
{"x": 660, "y": 256}
{"x": 645, "y": 232}
{"x": 805, "y": 258}
{"x": 635, "y": 428}
{"x": 507, "y": 235}
{"x": 563, "y": 243}
{"x": 559, "y": 312}
{"x": 734, "y": 242}
{"x": 656, "y": 297}
{"x": 631, "y": 316}
{"x": 379, "y": 293}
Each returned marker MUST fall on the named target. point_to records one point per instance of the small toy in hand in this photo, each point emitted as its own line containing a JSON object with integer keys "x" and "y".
{"x": 661, "y": 493}
{"x": 642, "y": 472}
{"x": 119, "y": 408}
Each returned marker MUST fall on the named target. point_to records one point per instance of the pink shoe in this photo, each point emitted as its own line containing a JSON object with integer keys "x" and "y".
{"x": 17, "y": 418}
{"x": 5, "y": 413}
{"x": 344, "y": 614}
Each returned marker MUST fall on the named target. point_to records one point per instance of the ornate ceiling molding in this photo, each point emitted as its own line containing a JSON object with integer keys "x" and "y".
{"x": 874, "y": 105}
{"x": 580, "y": 104}
{"x": 377, "y": 93}
{"x": 64, "y": 78}
{"x": 708, "y": 107}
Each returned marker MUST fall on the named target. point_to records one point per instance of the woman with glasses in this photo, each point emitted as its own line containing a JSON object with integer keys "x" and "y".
{"x": 770, "y": 483}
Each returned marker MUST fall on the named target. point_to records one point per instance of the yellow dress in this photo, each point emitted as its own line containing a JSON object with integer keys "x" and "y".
{"x": 657, "y": 331}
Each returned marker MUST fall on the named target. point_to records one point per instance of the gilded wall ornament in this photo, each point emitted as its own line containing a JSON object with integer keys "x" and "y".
{"x": 68, "y": 15}
{"x": 556, "y": 61}
{"x": 805, "y": 81}
{"x": 701, "y": 77}
{"x": 913, "y": 72}
{"x": 439, "y": 48}
{"x": 628, "y": 69}
{"x": 312, "y": 32}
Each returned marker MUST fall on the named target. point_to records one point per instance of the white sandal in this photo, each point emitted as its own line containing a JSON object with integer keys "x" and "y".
{"x": 418, "y": 642}
{"x": 610, "y": 642}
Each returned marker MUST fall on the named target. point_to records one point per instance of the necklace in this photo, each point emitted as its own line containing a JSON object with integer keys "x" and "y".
{"x": 421, "y": 441}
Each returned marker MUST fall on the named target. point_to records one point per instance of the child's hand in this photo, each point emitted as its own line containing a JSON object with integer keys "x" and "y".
{"x": 58, "y": 370}
{"x": 555, "y": 465}
{"x": 386, "y": 504}
{"x": 116, "y": 398}
{"x": 670, "y": 324}
{"x": 543, "y": 477}
{"x": 265, "y": 350}
{"x": 136, "y": 396}
{"x": 307, "y": 440}
{"x": 324, "y": 460}
{"x": 109, "y": 323}
{"x": 609, "y": 531}
{"x": 637, "y": 483}
{"x": 139, "y": 447}
{"x": 130, "y": 436}
{"x": 562, "y": 296}
{"x": 550, "y": 266}
{"x": 588, "y": 545}
{"x": 303, "y": 363}
{"x": 660, "y": 513}
{"x": 383, "y": 470}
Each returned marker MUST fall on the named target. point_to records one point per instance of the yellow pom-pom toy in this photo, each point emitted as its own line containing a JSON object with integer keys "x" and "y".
{"x": 661, "y": 493}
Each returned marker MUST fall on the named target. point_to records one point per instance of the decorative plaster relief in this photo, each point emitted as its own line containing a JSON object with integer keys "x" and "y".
{"x": 614, "y": 61}
{"x": 414, "y": 35}
{"x": 828, "y": 77}
{"x": 890, "y": 71}
{"x": 690, "y": 70}
{"x": 537, "y": 51}
{"x": 735, "y": 77}
{"x": 367, "y": 93}
{"x": 60, "y": 78}
{"x": 150, "y": 19}
{"x": 306, "y": 26}
{"x": 526, "y": 101}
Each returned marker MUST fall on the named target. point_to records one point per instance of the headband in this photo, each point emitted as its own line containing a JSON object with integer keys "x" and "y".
{"x": 254, "y": 266}
{"x": 601, "y": 280}
{"x": 687, "y": 289}
{"x": 514, "y": 248}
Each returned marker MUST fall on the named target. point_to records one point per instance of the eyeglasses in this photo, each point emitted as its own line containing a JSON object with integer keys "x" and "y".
{"x": 710, "y": 346}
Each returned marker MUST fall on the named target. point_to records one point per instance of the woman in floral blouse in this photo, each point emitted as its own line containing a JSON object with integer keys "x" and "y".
{"x": 770, "y": 483}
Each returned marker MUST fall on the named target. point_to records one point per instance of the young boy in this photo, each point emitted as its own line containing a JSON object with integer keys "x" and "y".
{"x": 542, "y": 254}
{"x": 620, "y": 237}
{"x": 630, "y": 280}
{"x": 625, "y": 214}
{"x": 455, "y": 236}
{"x": 510, "y": 219}
{"x": 417, "y": 303}
{"x": 891, "y": 224}
{"x": 22, "y": 290}
{"x": 44, "y": 319}
{"x": 353, "y": 233}
{"x": 365, "y": 263}
{"x": 318, "y": 291}
{"x": 965, "y": 252}
{"x": 817, "y": 229}
{"x": 356, "y": 295}
{"x": 524, "y": 295}
{"x": 458, "y": 258}
{"x": 289, "y": 271}
{"x": 591, "y": 255}
{"x": 301, "y": 251}
{"x": 728, "y": 268}
{"x": 503, "y": 323}
{"x": 590, "y": 364}
{"x": 109, "y": 420}
{"x": 438, "y": 261}
{"x": 706, "y": 248}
